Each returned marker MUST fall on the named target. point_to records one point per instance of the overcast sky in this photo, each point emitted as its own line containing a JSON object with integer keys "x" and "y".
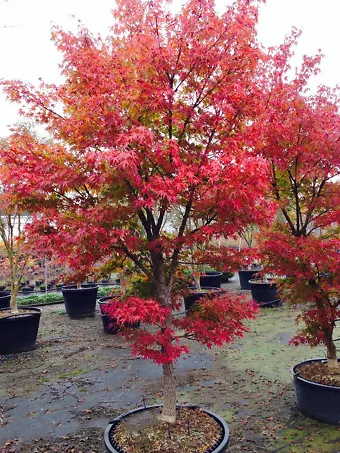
{"x": 26, "y": 52}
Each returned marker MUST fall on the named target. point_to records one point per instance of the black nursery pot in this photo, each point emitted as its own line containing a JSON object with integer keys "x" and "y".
{"x": 220, "y": 445}
{"x": 26, "y": 290}
{"x": 18, "y": 333}
{"x": 265, "y": 293}
{"x": 245, "y": 276}
{"x": 80, "y": 302}
{"x": 5, "y": 299}
{"x": 195, "y": 295}
{"x": 110, "y": 322}
{"x": 317, "y": 401}
{"x": 211, "y": 279}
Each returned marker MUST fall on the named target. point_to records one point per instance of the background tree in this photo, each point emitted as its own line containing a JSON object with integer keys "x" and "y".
{"x": 301, "y": 142}
{"x": 13, "y": 220}
{"x": 154, "y": 118}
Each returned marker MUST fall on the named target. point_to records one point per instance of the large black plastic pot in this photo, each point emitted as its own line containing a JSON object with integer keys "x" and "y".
{"x": 80, "y": 302}
{"x": 265, "y": 293}
{"x": 211, "y": 279}
{"x": 109, "y": 322}
{"x": 317, "y": 401}
{"x": 220, "y": 445}
{"x": 18, "y": 333}
{"x": 245, "y": 276}
{"x": 5, "y": 299}
{"x": 194, "y": 295}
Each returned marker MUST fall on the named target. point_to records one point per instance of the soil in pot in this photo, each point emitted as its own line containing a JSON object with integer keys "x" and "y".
{"x": 195, "y": 431}
{"x": 18, "y": 333}
{"x": 109, "y": 322}
{"x": 319, "y": 372}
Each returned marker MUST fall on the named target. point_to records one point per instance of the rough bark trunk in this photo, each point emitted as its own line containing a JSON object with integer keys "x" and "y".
{"x": 163, "y": 294}
{"x": 169, "y": 398}
{"x": 13, "y": 302}
{"x": 331, "y": 349}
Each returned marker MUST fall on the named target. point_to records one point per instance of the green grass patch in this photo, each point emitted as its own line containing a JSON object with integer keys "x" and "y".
{"x": 43, "y": 299}
{"x": 308, "y": 438}
{"x": 265, "y": 349}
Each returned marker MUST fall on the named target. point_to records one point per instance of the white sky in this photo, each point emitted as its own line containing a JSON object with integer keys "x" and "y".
{"x": 26, "y": 52}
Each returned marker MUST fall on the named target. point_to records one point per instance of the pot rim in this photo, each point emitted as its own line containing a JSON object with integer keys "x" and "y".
{"x": 218, "y": 418}
{"x": 203, "y": 289}
{"x": 24, "y": 308}
{"x": 105, "y": 300}
{"x": 211, "y": 274}
{"x": 251, "y": 270}
{"x": 260, "y": 281}
{"x": 66, "y": 288}
{"x": 12, "y": 316}
{"x": 316, "y": 384}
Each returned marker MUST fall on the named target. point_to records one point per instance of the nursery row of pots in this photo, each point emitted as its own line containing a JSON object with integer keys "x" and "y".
{"x": 264, "y": 292}
{"x": 320, "y": 402}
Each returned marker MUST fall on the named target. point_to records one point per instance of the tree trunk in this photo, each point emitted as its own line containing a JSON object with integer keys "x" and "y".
{"x": 169, "y": 398}
{"x": 13, "y": 303}
{"x": 163, "y": 295}
{"x": 331, "y": 349}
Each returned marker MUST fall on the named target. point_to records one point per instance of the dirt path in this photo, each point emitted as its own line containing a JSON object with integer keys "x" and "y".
{"x": 59, "y": 397}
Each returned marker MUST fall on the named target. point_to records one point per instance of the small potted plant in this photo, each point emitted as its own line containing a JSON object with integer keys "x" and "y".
{"x": 211, "y": 278}
{"x": 215, "y": 319}
{"x": 18, "y": 327}
{"x": 226, "y": 276}
{"x": 247, "y": 273}
{"x": 80, "y": 300}
{"x": 194, "y": 283}
{"x": 265, "y": 292}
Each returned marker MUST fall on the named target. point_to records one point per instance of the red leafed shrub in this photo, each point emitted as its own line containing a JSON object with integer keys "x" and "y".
{"x": 217, "y": 319}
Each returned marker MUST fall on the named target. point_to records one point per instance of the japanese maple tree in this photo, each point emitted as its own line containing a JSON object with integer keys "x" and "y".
{"x": 154, "y": 118}
{"x": 301, "y": 141}
{"x": 13, "y": 220}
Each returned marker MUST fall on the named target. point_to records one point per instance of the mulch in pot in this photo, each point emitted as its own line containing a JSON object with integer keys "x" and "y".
{"x": 7, "y": 313}
{"x": 320, "y": 373}
{"x": 194, "y": 432}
